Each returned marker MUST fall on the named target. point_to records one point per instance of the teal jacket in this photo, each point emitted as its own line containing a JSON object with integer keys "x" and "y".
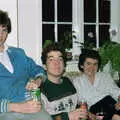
{"x": 12, "y": 85}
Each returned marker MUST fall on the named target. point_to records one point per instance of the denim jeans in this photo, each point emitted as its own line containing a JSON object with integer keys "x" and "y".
{"x": 43, "y": 115}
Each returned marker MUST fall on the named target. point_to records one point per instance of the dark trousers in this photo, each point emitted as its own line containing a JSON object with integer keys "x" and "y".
{"x": 106, "y": 105}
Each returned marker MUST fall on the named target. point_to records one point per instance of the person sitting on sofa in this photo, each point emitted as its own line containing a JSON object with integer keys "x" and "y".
{"x": 16, "y": 68}
{"x": 97, "y": 88}
{"x": 57, "y": 92}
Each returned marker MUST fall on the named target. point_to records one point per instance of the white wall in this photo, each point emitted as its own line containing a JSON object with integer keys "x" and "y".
{"x": 78, "y": 25}
{"x": 26, "y": 25}
{"x": 115, "y": 19}
{"x": 29, "y": 19}
{"x": 11, "y": 7}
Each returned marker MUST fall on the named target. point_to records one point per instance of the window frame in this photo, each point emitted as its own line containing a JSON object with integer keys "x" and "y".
{"x": 78, "y": 24}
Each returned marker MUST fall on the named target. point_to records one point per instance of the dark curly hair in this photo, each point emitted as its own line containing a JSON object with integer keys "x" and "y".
{"x": 5, "y": 20}
{"x": 88, "y": 53}
{"x": 53, "y": 47}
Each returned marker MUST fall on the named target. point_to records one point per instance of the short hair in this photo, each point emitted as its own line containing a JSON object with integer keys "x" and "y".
{"x": 5, "y": 20}
{"x": 88, "y": 53}
{"x": 52, "y": 47}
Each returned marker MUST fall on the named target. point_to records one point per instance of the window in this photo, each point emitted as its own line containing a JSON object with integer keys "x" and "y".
{"x": 56, "y": 20}
{"x": 96, "y": 22}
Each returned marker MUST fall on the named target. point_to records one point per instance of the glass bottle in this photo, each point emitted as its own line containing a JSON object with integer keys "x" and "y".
{"x": 83, "y": 105}
{"x": 58, "y": 117}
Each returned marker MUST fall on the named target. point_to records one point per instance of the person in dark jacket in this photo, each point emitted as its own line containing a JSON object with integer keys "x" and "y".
{"x": 57, "y": 92}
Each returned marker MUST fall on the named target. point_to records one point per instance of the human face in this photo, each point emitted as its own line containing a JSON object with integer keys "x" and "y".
{"x": 90, "y": 67}
{"x": 3, "y": 35}
{"x": 54, "y": 64}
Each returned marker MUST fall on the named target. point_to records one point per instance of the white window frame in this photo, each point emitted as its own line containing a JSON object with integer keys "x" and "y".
{"x": 55, "y": 22}
{"x": 78, "y": 20}
{"x": 24, "y": 10}
{"x": 78, "y": 23}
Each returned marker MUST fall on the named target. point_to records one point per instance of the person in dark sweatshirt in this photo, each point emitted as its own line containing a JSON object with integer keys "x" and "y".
{"x": 57, "y": 92}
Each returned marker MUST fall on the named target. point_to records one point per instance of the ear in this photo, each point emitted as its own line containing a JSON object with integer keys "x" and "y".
{"x": 81, "y": 66}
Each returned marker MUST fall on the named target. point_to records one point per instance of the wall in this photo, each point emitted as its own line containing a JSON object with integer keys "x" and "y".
{"x": 11, "y": 7}
{"x": 26, "y": 25}
{"x": 115, "y": 20}
{"x": 29, "y": 19}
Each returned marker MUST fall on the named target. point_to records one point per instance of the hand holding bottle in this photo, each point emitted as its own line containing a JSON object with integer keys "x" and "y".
{"x": 78, "y": 114}
{"x": 117, "y": 105}
{"x": 83, "y": 105}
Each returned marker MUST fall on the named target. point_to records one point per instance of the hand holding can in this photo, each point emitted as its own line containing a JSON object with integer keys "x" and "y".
{"x": 35, "y": 94}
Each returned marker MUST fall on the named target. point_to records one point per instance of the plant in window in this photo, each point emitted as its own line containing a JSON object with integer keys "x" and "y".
{"x": 110, "y": 51}
{"x": 85, "y": 45}
{"x": 46, "y": 43}
{"x": 66, "y": 42}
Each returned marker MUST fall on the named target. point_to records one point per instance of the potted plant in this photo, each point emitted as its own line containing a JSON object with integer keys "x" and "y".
{"x": 110, "y": 51}
{"x": 66, "y": 42}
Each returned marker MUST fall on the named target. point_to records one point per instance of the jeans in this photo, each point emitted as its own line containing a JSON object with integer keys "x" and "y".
{"x": 43, "y": 115}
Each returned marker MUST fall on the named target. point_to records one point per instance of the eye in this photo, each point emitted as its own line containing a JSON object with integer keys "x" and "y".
{"x": 95, "y": 64}
{"x": 88, "y": 63}
{"x": 60, "y": 59}
{"x": 50, "y": 59}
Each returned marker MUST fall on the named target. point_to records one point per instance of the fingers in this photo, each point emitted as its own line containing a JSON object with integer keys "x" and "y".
{"x": 31, "y": 85}
{"x": 30, "y": 107}
{"x": 117, "y": 107}
{"x": 91, "y": 116}
{"x": 116, "y": 117}
{"x": 77, "y": 114}
{"x": 36, "y": 105}
{"x": 34, "y": 102}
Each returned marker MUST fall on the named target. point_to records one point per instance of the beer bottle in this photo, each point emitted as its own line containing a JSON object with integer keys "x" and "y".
{"x": 83, "y": 105}
{"x": 58, "y": 117}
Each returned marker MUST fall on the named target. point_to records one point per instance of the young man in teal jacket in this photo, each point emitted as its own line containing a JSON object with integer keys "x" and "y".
{"x": 15, "y": 71}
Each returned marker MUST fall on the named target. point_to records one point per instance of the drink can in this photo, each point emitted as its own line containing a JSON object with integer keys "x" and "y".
{"x": 35, "y": 94}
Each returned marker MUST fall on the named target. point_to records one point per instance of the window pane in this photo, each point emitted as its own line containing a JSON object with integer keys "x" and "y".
{"x": 89, "y": 36}
{"x": 90, "y": 10}
{"x": 47, "y": 10}
{"x": 65, "y": 10}
{"x": 104, "y": 11}
{"x": 104, "y": 34}
{"x": 48, "y": 32}
{"x": 65, "y": 35}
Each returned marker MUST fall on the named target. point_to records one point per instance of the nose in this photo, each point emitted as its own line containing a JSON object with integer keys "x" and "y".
{"x": 93, "y": 67}
{"x": 1, "y": 32}
{"x": 56, "y": 61}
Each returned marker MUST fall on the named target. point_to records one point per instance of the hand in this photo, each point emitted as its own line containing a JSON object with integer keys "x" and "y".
{"x": 119, "y": 98}
{"x": 77, "y": 114}
{"x": 117, "y": 106}
{"x": 26, "y": 107}
{"x": 116, "y": 117}
{"x": 91, "y": 116}
{"x": 33, "y": 84}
